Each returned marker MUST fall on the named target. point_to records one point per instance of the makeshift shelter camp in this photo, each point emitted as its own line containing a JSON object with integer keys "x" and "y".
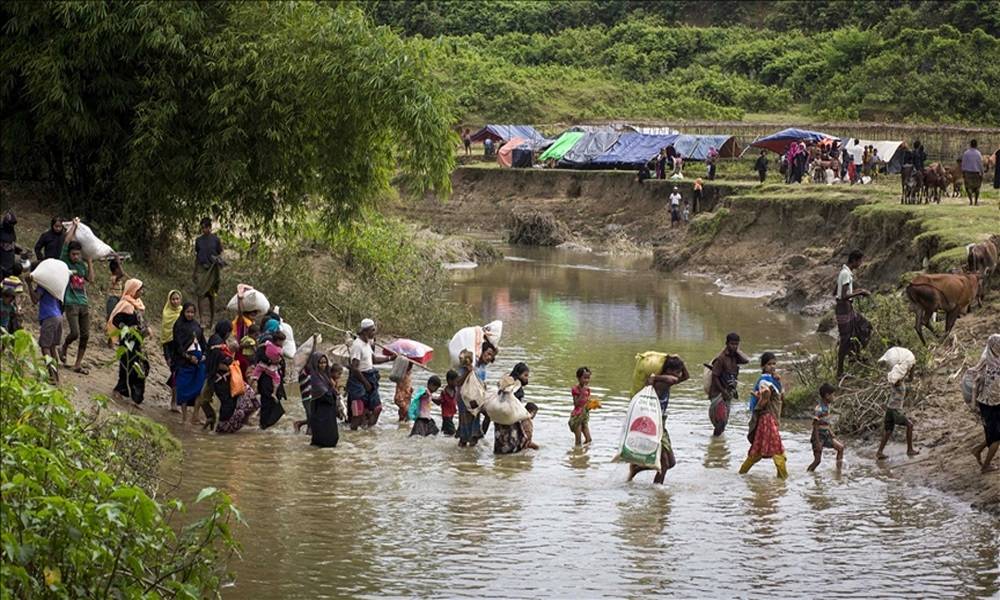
{"x": 505, "y": 154}
{"x": 889, "y": 152}
{"x": 779, "y": 142}
{"x": 632, "y": 150}
{"x": 589, "y": 147}
{"x": 696, "y": 147}
{"x": 506, "y": 133}
{"x": 562, "y": 145}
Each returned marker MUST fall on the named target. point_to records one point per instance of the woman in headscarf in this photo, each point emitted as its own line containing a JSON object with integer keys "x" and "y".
{"x": 189, "y": 358}
{"x": 325, "y": 401}
{"x": 127, "y": 324}
{"x": 765, "y": 440}
{"x": 267, "y": 379}
{"x": 234, "y": 411}
{"x": 218, "y": 354}
{"x": 508, "y": 439}
{"x": 986, "y": 395}
{"x": 171, "y": 312}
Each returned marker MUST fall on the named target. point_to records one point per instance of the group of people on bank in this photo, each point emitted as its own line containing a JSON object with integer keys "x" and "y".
{"x": 241, "y": 367}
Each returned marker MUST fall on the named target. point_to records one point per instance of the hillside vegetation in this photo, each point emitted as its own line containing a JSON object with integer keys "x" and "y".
{"x": 563, "y": 61}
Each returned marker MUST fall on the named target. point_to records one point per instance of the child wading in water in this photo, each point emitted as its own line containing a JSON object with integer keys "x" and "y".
{"x": 448, "y": 401}
{"x": 894, "y": 414}
{"x": 579, "y": 419}
{"x": 404, "y": 392}
{"x": 822, "y": 435}
{"x": 420, "y": 408}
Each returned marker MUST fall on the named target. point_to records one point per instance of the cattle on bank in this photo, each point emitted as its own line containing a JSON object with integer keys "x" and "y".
{"x": 952, "y": 293}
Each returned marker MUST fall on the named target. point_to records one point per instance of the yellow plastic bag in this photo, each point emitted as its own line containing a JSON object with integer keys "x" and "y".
{"x": 646, "y": 364}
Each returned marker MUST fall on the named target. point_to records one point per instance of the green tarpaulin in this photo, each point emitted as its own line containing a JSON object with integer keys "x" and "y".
{"x": 562, "y": 145}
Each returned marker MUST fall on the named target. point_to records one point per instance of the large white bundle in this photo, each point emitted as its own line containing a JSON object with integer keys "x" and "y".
{"x": 900, "y": 361}
{"x": 53, "y": 275}
{"x": 93, "y": 247}
{"x": 253, "y": 300}
{"x": 639, "y": 443}
{"x": 503, "y": 407}
{"x": 288, "y": 348}
{"x": 471, "y": 339}
{"x": 303, "y": 352}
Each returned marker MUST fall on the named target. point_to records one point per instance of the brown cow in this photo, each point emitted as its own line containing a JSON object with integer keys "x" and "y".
{"x": 935, "y": 182}
{"x": 982, "y": 258}
{"x": 953, "y": 177}
{"x": 951, "y": 293}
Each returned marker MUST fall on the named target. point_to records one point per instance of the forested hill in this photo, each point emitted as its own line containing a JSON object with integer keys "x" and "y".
{"x": 919, "y": 61}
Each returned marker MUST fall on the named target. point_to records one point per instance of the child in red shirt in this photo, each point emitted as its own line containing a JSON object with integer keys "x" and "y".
{"x": 448, "y": 401}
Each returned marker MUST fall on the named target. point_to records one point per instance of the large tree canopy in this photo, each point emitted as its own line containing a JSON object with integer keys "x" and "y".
{"x": 149, "y": 112}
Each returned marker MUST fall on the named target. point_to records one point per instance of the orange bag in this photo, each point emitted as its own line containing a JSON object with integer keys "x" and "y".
{"x": 236, "y": 384}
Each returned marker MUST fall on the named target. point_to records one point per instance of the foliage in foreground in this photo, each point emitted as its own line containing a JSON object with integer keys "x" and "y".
{"x": 80, "y": 512}
{"x": 864, "y": 390}
{"x": 146, "y": 114}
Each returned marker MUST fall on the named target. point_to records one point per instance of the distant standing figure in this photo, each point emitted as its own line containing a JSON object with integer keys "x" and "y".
{"x": 207, "y": 269}
{"x": 488, "y": 147}
{"x": 643, "y": 173}
{"x": 996, "y": 170}
{"x": 678, "y": 166}
{"x": 675, "y": 207}
{"x": 847, "y": 320}
{"x": 696, "y": 196}
{"x": 761, "y": 166}
{"x": 467, "y": 141}
{"x": 710, "y": 161}
{"x": 972, "y": 172}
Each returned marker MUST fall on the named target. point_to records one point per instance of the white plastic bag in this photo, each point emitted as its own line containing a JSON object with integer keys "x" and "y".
{"x": 503, "y": 407}
{"x": 303, "y": 352}
{"x": 52, "y": 274}
{"x": 253, "y": 300}
{"x": 473, "y": 391}
{"x": 93, "y": 247}
{"x": 471, "y": 339}
{"x": 288, "y": 348}
{"x": 639, "y": 443}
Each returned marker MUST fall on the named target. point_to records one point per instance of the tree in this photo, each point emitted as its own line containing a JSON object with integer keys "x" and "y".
{"x": 148, "y": 113}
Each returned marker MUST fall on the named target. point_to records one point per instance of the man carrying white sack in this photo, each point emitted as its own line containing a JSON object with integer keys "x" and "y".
{"x": 900, "y": 362}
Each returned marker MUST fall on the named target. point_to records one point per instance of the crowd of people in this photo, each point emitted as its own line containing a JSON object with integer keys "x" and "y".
{"x": 241, "y": 366}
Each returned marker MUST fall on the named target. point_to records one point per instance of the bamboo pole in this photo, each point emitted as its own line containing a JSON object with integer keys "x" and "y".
{"x": 354, "y": 335}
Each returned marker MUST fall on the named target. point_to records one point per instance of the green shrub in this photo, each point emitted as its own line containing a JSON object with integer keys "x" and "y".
{"x": 80, "y": 513}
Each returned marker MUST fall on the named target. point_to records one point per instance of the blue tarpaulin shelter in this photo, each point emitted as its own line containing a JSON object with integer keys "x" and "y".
{"x": 506, "y": 132}
{"x": 696, "y": 147}
{"x": 589, "y": 147}
{"x": 778, "y": 142}
{"x": 632, "y": 150}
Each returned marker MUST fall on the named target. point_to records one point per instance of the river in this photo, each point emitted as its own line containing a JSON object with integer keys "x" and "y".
{"x": 386, "y": 515}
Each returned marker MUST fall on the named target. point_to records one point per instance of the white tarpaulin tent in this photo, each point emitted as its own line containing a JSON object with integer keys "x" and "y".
{"x": 888, "y": 152}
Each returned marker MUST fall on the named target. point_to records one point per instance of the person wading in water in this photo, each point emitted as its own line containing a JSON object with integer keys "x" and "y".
{"x": 725, "y": 373}
{"x": 849, "y": 323}
{"x": 362, "y": 384}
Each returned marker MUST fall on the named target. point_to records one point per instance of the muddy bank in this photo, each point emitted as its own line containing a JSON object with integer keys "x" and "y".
{"x": 606, "y": 209}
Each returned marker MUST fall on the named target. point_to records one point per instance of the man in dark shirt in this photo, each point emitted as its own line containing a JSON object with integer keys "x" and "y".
{"x": 207, "y": 269}
{"x": 50, "y": 243}
{"x": 725, "y": 371}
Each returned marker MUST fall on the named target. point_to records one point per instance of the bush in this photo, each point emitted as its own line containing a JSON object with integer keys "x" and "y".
{"x": 80, "y": 516}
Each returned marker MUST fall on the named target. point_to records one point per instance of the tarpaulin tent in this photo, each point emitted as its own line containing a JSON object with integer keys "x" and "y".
{"x": 633, "y": 150}
{"x": 589, "y": 147}
{"x": 521, "y": 157}
{"x": 562, "y": 145}
{"x": 506, "y": 132}
{"x": 696, "y": 147}
{"x": 889, "y": 152}
{"x": 505, "y": 155}
{"x": 778, "y": 142}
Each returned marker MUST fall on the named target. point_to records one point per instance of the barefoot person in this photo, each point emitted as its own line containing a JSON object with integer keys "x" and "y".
{"x": 362, "y": 383}
{"x": 725, "y": 375}
{"x": 763, "y": 431}
{"x": 189, "y": 358}
{"x": 674, "y": 371}
{"x": 972, "y": 172}
{"x": 127, "y": 324}
{"x": 579, "y": 418}
{"x": 171, "y": 312}
{"x": 894, "y": 410}
{"x": 207, "y": 269}
{"x": 469, "y": 424}
{"x": 822, "y": 434}
{"x": 848, "y": 321}
{"x": 75, "y": 301}
{"x": 986, "y": 395}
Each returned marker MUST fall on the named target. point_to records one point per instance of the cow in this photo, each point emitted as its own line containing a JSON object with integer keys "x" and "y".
{"x": 935, "y": 183}
{"x": 952, "y": 293}
{"x": 953, "y": 176}
{"x": 913, "y": 182}
{"x": 983, "y": 257}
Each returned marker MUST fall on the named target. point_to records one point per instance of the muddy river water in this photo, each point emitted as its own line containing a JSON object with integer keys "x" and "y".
{"x": 387, "y": 515}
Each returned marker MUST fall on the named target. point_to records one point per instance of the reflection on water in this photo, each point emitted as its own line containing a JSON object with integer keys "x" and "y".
{"x": 386, "y": 515}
